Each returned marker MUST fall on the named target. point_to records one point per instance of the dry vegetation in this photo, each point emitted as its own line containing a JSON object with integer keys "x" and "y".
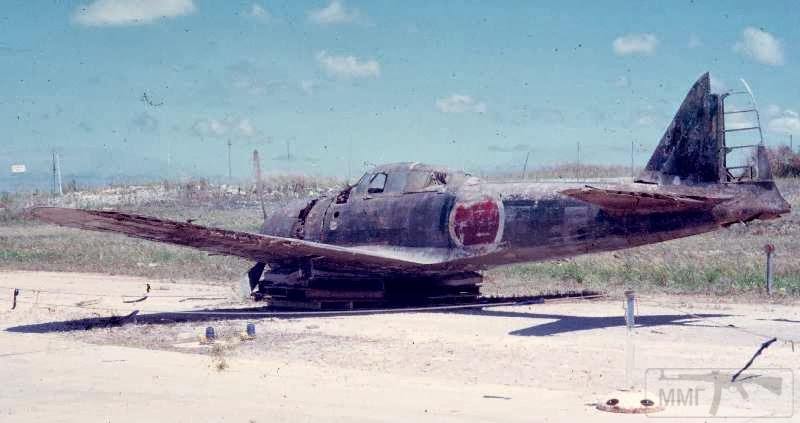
{"x": 218, "y": 360}
{"x": 729, "y": 261}
{"x": 784, "y": 162}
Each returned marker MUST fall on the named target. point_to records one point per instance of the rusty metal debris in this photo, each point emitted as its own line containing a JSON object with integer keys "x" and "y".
{"x": 408, "y": 232}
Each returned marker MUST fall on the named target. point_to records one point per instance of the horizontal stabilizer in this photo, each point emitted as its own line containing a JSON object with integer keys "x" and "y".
{"x": 624, "y": 202}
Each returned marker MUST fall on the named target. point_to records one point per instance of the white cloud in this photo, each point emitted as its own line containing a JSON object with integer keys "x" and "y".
{"x": 130, "y": 12}
{"x": 783, "y": 121}
{"x": 227, "y": 127}
{"x": 760, "y": 46}
{"x": 460, "y": 103}
{"x": 258, "y": 12}
{"x": 635, "y": 44}
{"x": 334, "y": 13}
{"x": 348, "y": 66}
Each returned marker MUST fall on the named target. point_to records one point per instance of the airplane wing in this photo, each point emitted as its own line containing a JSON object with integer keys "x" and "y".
{"x": 257, "y": 247}
{"x": 623, "y": 202}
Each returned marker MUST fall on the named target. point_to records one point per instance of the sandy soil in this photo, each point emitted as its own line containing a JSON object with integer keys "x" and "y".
{"x": 541, "y": 362}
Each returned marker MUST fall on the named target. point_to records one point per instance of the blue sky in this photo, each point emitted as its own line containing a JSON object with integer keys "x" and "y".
{"x": 128, "y": 86}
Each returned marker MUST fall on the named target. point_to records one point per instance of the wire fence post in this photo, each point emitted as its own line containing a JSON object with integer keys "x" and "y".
{"x": 769, "y": 249}
{"x": 14, "y": 295}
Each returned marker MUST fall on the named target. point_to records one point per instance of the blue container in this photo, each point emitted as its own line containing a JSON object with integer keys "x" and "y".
{"x": 251, "y": 330}
{"x": 210, "y": 334}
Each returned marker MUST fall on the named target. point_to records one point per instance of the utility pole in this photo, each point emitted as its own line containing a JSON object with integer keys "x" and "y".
{"x": 525, "y": 167}
{"x": 791, "y": 146}
{"x": 230, "y": 173}
{"x": 57, "y": 188}
{"x": 257, "y": 177}
{"x": 578, "y": 163}
{"x": 53, "y": 172}
{"x": 632, "y": 146}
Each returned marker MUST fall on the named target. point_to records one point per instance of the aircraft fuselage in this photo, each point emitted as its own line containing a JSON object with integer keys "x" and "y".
{"x": 476, "y": 224}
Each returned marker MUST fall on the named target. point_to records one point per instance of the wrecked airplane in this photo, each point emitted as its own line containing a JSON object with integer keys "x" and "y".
{"x": 409, "y": 231}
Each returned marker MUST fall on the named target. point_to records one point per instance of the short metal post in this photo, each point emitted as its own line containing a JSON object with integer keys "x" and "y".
{"x": 14, "y": 294}
{"x": 769, "y": 249}
{"x": 630, "y": 302}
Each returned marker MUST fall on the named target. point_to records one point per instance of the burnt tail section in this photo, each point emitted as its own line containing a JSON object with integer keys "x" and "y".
{"x": 691, "y": 152}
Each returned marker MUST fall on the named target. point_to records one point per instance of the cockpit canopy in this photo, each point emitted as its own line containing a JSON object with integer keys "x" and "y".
{"x": 400, "y": 178}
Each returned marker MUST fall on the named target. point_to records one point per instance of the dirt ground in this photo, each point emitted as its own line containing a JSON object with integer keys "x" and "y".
{"x": 63, "y": 359}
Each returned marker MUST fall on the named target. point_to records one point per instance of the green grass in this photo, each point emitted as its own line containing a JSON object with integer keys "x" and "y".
{"x": 607, "y": 274}
{"x": 30, "y": 245}
{"x": 33, "y": 247}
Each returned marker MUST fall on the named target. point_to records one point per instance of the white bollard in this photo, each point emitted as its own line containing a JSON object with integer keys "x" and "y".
{"x": 630, "y": 348}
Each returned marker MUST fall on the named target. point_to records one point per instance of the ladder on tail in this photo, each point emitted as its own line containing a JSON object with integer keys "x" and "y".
{"x": 751, "y": 170}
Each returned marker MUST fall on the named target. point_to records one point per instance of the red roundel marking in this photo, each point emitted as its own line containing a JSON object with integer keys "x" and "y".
{"x": 476, "y": 223}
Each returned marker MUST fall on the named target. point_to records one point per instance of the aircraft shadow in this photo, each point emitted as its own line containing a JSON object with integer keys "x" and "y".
{"x": 166, "y": 318}
{"x": 562, "y": 324}
{"x": 565, "y": 323}
{"x": 781, "y": 320}
{"x": 223, "y": 314}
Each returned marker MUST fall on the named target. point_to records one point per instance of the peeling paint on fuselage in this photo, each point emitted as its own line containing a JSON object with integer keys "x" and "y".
{"x": 539, "y": 223}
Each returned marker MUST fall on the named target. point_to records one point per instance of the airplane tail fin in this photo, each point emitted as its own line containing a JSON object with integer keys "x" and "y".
{"x": 692, "y": 150}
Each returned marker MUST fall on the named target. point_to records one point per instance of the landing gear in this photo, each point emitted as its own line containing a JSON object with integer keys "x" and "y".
{"x": 249, "y": 285}
{"x": 304, "y": 288}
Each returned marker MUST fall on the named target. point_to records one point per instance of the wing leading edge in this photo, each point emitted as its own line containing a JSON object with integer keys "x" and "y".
{"x": 256, "y": 247}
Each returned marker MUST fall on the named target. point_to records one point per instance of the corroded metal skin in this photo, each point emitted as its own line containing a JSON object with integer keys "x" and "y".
{"x": 410, "y": 221}
{"x": 479, "y": 224}
{"x": 691, "y": 150}
{"x": 462, "y": 223}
